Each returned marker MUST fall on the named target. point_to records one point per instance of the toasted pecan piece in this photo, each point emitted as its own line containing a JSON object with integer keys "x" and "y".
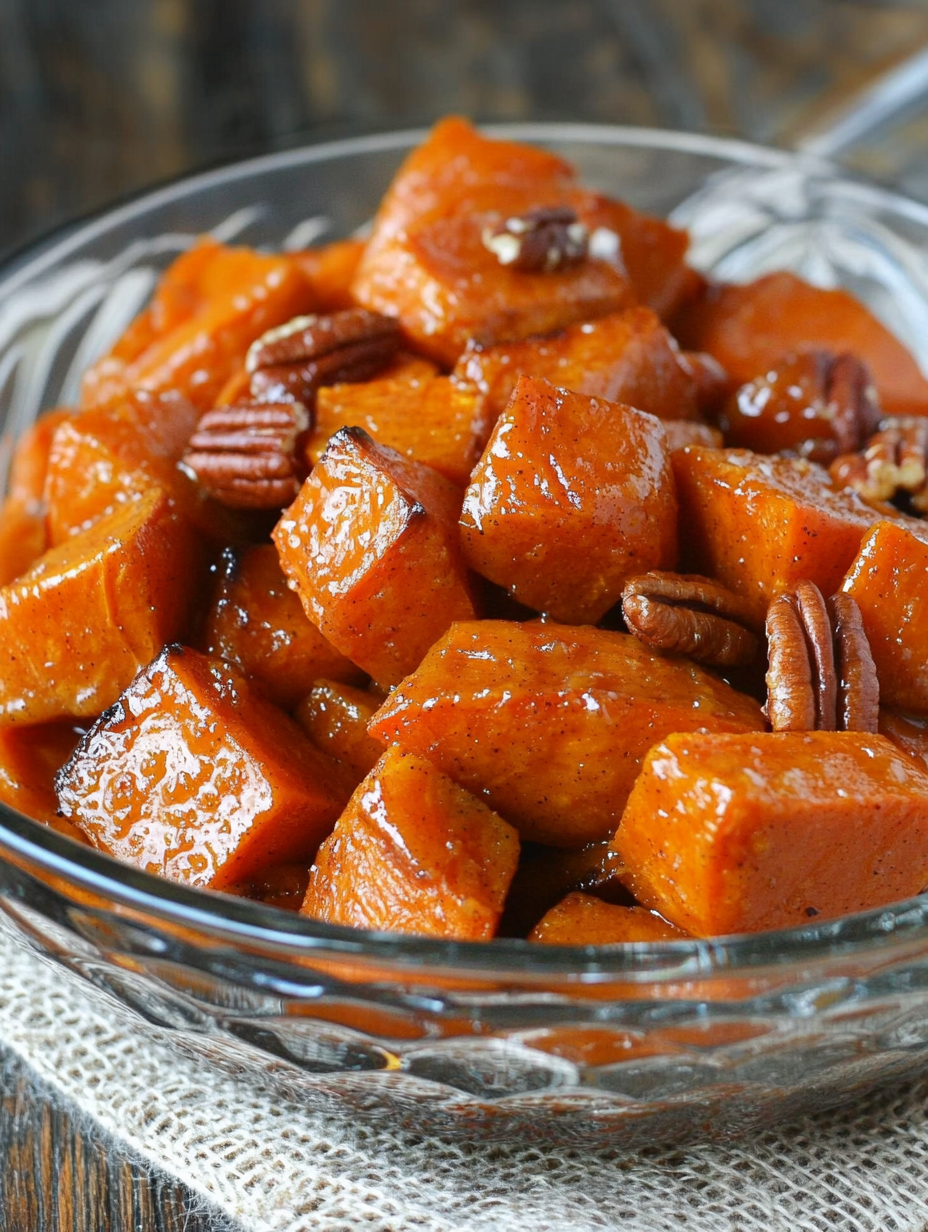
{"x": 539, "y": 241}
{"x": 691, "y": 615}
{"x": 294, "y": 360}
{"x": 249, "y": 456}
{"x": 893, "y": 463}
{"x": 820, "y": 675}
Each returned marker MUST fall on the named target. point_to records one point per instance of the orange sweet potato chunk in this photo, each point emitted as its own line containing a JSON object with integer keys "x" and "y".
{"x": 581, "y": 919}
{"x": 335, "y": 717}
{"x": 683, "y": 432}
{"x": 330, "y": 270}
{"x": 371, "y": 547}
{"x": 193, "y": 776}
{"x": 30, "y": 757}
{"x": 625, "y": 357}
{"x": 761, "y": 524}
{"x": 888, "y": 580}
{"x": 414, "y": 853}
{"x": 29, "y": 464}
{"x": 100, "y": 458}
{"x": 748, "y": 328}
{"x": 209, "y": 307}
{"x": 549, "y": 724}
{"x": 23, "y": 532}
{"x": 406, "y": 366}
{"x": 440, "y": 422}
{"x": 572, "y": 496}
{"x": 653, "y": 252}
{"x": 426, "y": 262}
{"x": 107, "y": 455}
{"x": 80, "y": 623}
{"x": 256, "y": 622}
{"x": 731, "y": 833}
{"x": 23, "y": 537}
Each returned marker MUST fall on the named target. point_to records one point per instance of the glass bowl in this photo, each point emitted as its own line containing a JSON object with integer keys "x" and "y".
{"x": 597, "y": 1044}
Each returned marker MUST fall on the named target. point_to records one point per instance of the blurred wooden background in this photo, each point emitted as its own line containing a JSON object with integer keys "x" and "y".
{"x": 103, "y": 97}
{"x": 99, "y": 98}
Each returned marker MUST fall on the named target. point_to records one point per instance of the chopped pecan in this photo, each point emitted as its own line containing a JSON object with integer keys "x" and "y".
{"x": 293, "y": 360}
{"x": 820, "y": 673}
{"x": 690, "y": 615}
{"x": 540, "y": 241}
{"x": 248, "y": 456}
{"x": 814, "y": 404}
{"x": 893, "y": 464}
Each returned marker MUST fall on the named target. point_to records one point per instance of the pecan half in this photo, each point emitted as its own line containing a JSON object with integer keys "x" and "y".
{"x": 820, "y": 673}
{"x": 293, "y": 360}
{"x": 894, "y": 463}
{"x": 691, "y": 615}
{"x": 540, "y": 241}
{"x": 248, "y": 456}
{"x": 858, "y": 686}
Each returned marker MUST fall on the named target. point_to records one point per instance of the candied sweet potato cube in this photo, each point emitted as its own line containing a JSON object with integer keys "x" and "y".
{"x": 23, "y": 537}
{"x": 99, "y": 458}
{"x": 683, "y": 432}
{"x": 761, "y": 524}
{"x": 30, "y": 757}
{"x": 193, "y": 776}
{"x": 426, "y": 262}
{"x": 414, "y": 853}
{"x": 371, "y": 547}
{"x": 330, "y": 270}
{"x": 209, "y": 307}
{"x": 653, "y": 252}
{"x": 23, "y": 531}
{"x": 572, "y": 495}
{"x": 80, "y": 623}
{"x": 748, "y": 328}
{"x": 335, "y": 717}
{"x": 110, "y": 454}
{"x": 406, "y": 366}
{"x": 549, "y": 724}
{"x": 626, "y": 357}
{"x": 29, "y": 464}
{"x": 887, "y": 579}
{"x": 256, "y": 622}
{"x": 581, "y": 919}
{"x": 440, "y": 422}
{"x": 733, "y": 833}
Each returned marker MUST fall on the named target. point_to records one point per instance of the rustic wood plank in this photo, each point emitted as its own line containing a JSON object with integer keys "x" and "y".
{"x": 97, "y": 100}
{"x": 60, "y": 1174}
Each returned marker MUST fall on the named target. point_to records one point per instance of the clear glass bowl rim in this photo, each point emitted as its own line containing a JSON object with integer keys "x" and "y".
{"x": 242, "y": 922}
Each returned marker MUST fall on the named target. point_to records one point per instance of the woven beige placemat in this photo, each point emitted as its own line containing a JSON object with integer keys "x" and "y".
{"x": 276, "y": 1166}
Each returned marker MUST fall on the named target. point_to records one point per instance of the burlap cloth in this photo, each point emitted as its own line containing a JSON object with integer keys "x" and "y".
{"x": 275, "y": 1165}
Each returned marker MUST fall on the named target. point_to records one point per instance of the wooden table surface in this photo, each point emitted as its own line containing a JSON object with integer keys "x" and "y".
{"x": 103, "y": 99}
{"x": 59, "y": 1173}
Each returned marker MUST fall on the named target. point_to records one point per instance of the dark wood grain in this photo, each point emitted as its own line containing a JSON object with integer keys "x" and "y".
{"x": 102, "y": 98}
{"x": 60, "y": 1174}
